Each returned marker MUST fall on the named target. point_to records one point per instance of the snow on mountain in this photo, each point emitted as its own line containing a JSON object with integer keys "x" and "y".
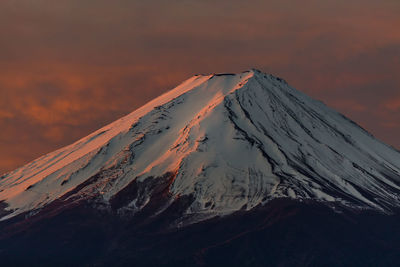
{"x": 230, "y": 141}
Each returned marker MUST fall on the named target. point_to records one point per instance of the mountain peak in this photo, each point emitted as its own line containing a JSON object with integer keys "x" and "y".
{"x": 226, "y": 142}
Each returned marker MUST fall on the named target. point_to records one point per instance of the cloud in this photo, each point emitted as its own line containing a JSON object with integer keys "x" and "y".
{"x": 69, "y": 67}
{"x": 5, "y": 115}
{"x": 393, "y": 104}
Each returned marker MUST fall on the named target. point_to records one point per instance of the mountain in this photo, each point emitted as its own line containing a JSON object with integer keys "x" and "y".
{"x": 244, "y": 153}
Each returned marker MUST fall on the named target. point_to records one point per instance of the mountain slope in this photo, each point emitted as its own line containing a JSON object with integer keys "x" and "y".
{"x": 226, "y": 143}
{"x": 283, "y": 232}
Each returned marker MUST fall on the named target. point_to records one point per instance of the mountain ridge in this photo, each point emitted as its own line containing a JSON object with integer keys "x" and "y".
{"x": 230, "y": 141}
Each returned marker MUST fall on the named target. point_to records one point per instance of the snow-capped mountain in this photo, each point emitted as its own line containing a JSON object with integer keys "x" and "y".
{"x": 226, "y": 142}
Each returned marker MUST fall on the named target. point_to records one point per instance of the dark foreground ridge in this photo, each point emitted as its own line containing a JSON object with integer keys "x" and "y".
{"x": 282, "y": 233}
{"x": 223, "y": 170}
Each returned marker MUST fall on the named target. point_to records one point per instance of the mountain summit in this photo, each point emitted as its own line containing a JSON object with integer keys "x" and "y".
{"x": 222, "y": 142}
{"x": 224, "y": 170}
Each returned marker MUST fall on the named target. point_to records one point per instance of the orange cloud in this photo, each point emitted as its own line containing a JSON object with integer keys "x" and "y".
{"x": 68, "y": 67}
{"x": 5, "y": 115}
{"x": 393, "y": 104}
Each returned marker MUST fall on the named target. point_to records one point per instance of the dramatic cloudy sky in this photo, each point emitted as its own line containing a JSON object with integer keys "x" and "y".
{"x": 68, "y": 67}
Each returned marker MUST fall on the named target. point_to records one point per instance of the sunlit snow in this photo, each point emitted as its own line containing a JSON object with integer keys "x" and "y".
{"x": 232, "y": 141}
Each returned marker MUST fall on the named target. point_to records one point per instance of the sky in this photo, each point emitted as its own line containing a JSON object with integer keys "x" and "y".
{"x": 69, "y": 67}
